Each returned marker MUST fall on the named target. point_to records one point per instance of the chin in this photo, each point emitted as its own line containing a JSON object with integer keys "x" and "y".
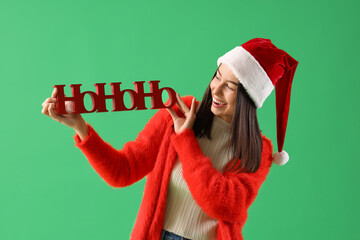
{"x": 214, "y": 111}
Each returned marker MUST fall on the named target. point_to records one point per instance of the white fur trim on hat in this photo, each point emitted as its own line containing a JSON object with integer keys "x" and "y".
{"x": 249, "y": 73}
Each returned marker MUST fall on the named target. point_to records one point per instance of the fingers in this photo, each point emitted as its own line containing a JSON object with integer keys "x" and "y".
{"x": 181, "y": 123}
{"x": 193, "y": 108}
{"x": 172, "y": 113}
{"x": 190, "y": 118}
{"x": 182, "y": 106}
{"x": 69, "y": 107}
{"x": 52, "y": 114}
{"x": 54, "y": 93}
{"x": 49, "y": 100}
{"x": 46, "y": 104}
{"x": 45, "y": 109}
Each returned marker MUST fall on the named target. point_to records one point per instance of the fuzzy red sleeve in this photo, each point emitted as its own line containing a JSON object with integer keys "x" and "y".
{"x": 222, "y": 196}
{"x": 120, "y": 168}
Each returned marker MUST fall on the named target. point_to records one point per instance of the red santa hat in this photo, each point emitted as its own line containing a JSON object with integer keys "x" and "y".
{"x": 260, "y": 66}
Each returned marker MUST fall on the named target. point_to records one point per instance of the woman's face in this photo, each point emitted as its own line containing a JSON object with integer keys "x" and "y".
{"x": 223, "y": 91}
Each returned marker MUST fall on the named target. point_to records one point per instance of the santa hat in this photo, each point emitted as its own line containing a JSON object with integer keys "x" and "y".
{"x": 260, "y": 66}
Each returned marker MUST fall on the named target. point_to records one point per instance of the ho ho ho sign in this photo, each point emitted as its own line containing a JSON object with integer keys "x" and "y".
{"x": 98, "y": 98}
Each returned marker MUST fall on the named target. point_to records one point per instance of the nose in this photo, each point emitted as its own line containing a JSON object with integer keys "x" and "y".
{"x": 217, "y": 90}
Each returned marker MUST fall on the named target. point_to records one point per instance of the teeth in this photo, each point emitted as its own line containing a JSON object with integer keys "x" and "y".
{"x": 218, "y": 102}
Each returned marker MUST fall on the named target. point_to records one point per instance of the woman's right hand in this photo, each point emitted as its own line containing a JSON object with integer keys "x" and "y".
{"x": 74, "y": 121}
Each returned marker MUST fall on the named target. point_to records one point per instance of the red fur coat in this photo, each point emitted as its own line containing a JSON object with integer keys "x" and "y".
{"x": 225, "y": 197}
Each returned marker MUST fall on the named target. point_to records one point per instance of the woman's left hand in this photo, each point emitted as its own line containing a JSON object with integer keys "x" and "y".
{"x": 181, "y": 123}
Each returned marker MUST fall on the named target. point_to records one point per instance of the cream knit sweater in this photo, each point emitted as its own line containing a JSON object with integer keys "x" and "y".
{"x": 182, "y": 215}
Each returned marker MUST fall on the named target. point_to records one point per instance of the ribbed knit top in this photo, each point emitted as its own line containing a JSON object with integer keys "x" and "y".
{"x": 182, "y": 215}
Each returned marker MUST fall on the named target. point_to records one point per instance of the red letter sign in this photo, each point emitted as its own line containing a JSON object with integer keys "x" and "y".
{"x": 99, "y": 98}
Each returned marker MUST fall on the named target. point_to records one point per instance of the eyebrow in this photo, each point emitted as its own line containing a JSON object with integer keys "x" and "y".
{"x": 236, "y": 84}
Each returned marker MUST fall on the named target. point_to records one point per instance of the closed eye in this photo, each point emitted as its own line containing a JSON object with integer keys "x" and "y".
{"x": 228, "y": 86}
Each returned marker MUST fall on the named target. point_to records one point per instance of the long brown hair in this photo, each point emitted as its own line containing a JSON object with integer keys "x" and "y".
{"x": 245, "y": 140}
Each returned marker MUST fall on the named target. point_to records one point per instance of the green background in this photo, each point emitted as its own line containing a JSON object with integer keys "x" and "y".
{"x": 50, "y": 191}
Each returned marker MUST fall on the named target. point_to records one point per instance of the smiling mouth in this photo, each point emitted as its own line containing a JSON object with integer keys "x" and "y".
{"x": 217, "y": 103}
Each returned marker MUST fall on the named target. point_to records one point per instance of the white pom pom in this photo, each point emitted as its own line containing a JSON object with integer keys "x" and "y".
{"x": 280, "y": 158}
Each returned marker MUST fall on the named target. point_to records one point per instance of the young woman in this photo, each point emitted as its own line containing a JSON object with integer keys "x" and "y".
{"x": 204, "y": 162}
